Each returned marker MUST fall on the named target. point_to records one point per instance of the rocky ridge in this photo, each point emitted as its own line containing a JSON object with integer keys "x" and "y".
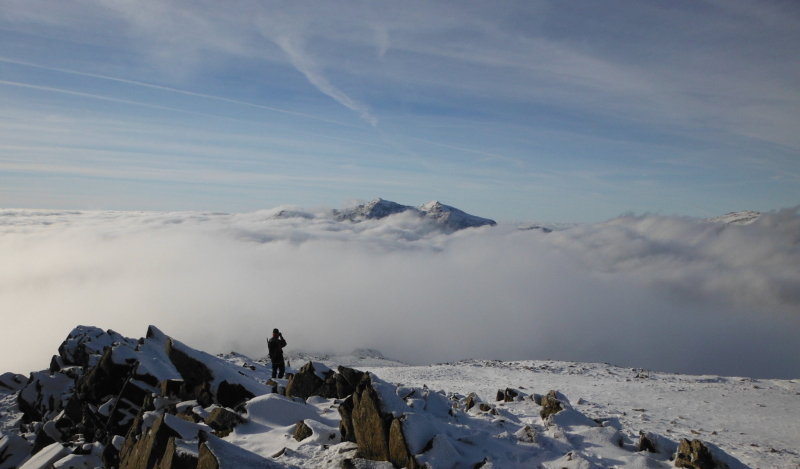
{"x": 110, "y": 401}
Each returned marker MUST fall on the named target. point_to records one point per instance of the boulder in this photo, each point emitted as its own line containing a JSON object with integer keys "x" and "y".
{"x": 511, "y": 395}
{"x": 223, "y": 420}
{"x": 302, "y": 431}
{"x": 231, "y": 395}
{"x": 307, "y": 382}
{"x": 695, "y": 455}
{"x": 550, "y": 405}
{"x": 471, "y": 400}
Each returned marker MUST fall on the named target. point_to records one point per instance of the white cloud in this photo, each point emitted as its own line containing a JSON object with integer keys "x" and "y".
{"x": 665, "y": 293}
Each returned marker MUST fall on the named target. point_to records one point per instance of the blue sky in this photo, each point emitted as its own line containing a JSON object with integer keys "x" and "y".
{"x": 549, "y": 111}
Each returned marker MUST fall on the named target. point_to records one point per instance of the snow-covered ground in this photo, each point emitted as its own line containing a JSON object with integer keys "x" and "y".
{"x": 755, "y": 420}
{"x": 747, "y": 422}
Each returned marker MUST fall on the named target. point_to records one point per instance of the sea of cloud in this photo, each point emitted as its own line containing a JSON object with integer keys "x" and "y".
{"x": 663, "y": 293}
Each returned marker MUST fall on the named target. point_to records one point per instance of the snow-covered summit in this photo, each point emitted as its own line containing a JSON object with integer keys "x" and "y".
{"x": 378, "y": 208}
{"x": 745, "y": 217}
{"x": 452, "y": 217}
{"x": 449, "y": 218}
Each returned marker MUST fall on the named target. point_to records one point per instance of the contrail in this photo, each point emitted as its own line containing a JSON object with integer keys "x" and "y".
{"x": 174, "y": 90}
{"x": 165, "y": 108}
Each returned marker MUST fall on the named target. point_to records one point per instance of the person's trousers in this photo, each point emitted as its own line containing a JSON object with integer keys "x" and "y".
{"x": 278, "y": 368}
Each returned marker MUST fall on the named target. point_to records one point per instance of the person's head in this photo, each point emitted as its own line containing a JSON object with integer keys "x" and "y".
{"x": 276, "y": 332}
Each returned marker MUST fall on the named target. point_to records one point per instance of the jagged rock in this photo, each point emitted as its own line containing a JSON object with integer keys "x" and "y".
{"x": 378, "y": 434}
{"x": 346, "y": 423}
{"x": 145, "y": 452}
{"x": 550, "y": 405}
{"x": 193, "y": 372}
{"x": 647, "y": 443}
{"x": 346, "y": 381}
{"x": 471, "y": 400}
{"x": 231, "y": 395}
{"x": 511, "y": 395}
{"x": 501, "y": 395}
{"x": 85, "y": 344}
{"x": 302, "y": 431}
{"x": 306, "y": 382}
{"x": 484, "y": 407}
{"x": 695, "y": 455}
{"x": 370, "y": 425}
{"x": 223, "y": 420}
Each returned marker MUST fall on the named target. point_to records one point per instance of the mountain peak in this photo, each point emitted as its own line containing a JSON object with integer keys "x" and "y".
{"x": 451, "y": 218}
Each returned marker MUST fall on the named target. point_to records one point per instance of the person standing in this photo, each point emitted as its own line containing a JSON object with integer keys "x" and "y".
{"x": 276, "y": 345}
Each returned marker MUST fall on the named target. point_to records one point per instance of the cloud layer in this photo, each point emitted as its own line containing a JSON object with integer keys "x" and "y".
{"x": 666, "y": 293}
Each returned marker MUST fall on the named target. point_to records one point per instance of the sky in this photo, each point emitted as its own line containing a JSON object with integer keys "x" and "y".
{"x": 536, "y": 110}
{"x": 665, "y": 293}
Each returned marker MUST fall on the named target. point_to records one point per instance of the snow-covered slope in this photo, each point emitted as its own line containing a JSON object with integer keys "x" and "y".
{"x": 473, "y": 413}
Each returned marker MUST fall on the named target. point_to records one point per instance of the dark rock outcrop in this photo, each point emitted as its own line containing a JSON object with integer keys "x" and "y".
{"x": 378, "y": 434}
{"x": 302, "y": 431}
{"x": 231, "y": 395}
{"x": 695, "y": 455}
{"x": 148, "y": 450}
{"x": 550, "y": 405}
{"x": 346, "y": 423}
{"x": 306, "y": 383}
{"x": 223, "y": 420}
{"x": 470, "y": 401}
{"x": 346, "y": 381}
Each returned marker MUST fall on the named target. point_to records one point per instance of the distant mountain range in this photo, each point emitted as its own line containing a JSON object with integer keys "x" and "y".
{"x": 449, "y": 217}
{"x": 737, "y": 218}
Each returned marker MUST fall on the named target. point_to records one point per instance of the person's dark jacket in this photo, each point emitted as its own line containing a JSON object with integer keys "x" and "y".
{"x": 276, "y": 345}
